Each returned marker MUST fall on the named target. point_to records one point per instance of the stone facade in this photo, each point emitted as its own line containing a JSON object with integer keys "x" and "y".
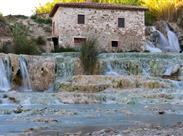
{"x": 101, "y": 24}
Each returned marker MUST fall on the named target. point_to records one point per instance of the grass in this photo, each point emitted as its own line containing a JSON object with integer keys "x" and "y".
{"x": 89, "y": 56}
{"x": 22, "y": 45}
{"x": 62, "y": 49}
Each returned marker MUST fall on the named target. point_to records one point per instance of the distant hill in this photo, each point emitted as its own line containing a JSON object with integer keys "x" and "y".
{"x": 35, "y": 27}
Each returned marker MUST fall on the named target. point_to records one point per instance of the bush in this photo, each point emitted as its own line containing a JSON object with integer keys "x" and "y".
{"x": 40, "y": 41}
{"x": 21, "y": 16}
{"x": 61, "y": 49}
{"x": 89, "y": 55}
{"x": 6, "y": 47}
{"x": 2, "y": 19}
{"x": 41, "y": 20}
{"x": 149, "y": 19}
{"x": 22, "y": 45}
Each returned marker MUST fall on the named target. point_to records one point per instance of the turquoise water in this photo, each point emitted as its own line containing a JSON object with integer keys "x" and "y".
{"x": 47, "y": 112}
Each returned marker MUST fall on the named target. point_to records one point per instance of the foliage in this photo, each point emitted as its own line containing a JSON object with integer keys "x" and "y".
{"x": 21, "y": 16}
{"x": 163, "y": 9}
{"x": 22, "y": 45}
{"x": 149, "y": 18}
{"x": 40, "y": 41}
{"x": 41, "y": 20}
{"x": 89, "y": 55}
{"x": 129, "y": 2}
{"x": 2, "y": 19}
{"x": 6, "y": 47}
{"x": 61, "y": 49}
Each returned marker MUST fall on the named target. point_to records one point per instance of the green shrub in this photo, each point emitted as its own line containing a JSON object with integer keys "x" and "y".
{"x": 33, "y": 17}
{"x": 89, "y": 55}
{"x": 21, "y": 16}
{"x": 40, "y": 41}
{"x": 149, "y": 18}
{"x": 22, "y": 45}
{"x": 41, "y": 20}
{"x": 2, "y": 19}
{"x": 61, "y": 49}
{"x": 6, "y": 47}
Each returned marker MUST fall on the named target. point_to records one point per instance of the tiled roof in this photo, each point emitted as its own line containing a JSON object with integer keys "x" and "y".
{"x": 95, "y": 6}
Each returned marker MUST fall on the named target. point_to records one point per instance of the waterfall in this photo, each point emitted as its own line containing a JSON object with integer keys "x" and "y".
{"x": 4, "y": 81}
{"x": 151, "y": 48}
{"x": 172, "y": 69}
{"x": 65, "y": 68}
{"x": 173, "y": 39}
{"x": 24, "y": 74}
{"x": 8, "y": 67}
{"x": 164, "y": 42}
{"x": 110, "y": 70}
{"x": 170, "y": 44}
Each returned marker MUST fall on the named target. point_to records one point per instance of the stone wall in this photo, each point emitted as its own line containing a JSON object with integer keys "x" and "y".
{"x": 103, "y": 25}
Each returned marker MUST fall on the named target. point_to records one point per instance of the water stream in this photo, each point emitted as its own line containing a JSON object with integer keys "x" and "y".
{"x": 4, "y": 80}
{"x": 110, "y": 108}
{"x": 173, "y": 40}
{"x": 110, "y": 70}
{"x": 26, "y": 84}
{"x": 166, "y": 44}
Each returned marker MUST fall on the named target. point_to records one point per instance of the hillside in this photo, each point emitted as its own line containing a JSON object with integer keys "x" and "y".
{"x": 35, "y": 28}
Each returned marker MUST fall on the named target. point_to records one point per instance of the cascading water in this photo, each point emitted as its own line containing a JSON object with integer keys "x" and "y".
{"x": 164, "y": 42}
{"x": 173, "y": 40}
{"x": 8, "y": 67}
{"x": 172, "y": 69}
{"x": 26, "y": 84}
{"x": 110, "y": 71}
{"x": 65, "y": 68}
{"x": 151, "y": 48}
{"x": 4, "y": 81}
{"x": 170, "y": 44}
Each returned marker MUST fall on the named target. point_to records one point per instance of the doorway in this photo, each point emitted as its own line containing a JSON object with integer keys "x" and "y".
{"x": 55, "y": 42}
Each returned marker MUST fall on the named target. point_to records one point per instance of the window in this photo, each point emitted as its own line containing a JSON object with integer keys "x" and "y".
{"x": 121, "y": 22}
{"x": 81, "y": 19}
{"x": 114, "y": 43}
{"x": 79, "y": 41}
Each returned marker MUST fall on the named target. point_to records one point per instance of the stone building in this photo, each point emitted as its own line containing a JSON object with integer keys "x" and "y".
{"x": 116, "y": 27}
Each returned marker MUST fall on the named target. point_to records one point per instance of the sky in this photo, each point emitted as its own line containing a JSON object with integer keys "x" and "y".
{"x": 20, "y": 7}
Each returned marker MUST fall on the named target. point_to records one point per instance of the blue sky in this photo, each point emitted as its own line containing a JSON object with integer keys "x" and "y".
{"x": 23, "y": 7}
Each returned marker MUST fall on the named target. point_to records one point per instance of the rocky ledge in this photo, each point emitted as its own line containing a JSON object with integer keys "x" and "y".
{"x": 97, "y": 83}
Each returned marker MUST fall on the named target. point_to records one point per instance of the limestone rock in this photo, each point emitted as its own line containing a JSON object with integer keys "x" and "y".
{"x": 97, "y": 83}
{"x": 41, "y": 71}
{"x": 79, "y": 98}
